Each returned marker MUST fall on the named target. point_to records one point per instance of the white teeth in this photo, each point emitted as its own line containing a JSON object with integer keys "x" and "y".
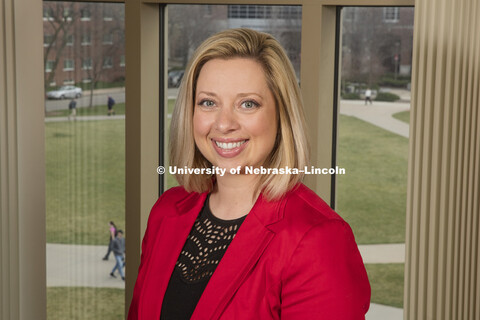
{"x": 229, "y": 145}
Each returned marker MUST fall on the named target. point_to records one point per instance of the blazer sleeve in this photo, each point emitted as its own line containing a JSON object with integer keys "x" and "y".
{"x": 326, "y": 278}
{"x": 133, "y": 310}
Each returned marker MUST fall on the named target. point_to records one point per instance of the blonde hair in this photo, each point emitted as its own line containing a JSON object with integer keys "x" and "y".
{"x": 291, "y": 146}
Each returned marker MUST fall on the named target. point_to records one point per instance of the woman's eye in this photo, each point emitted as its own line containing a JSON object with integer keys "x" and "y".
{"x": 249, "y": 104}
{"x": 207, "y": 103}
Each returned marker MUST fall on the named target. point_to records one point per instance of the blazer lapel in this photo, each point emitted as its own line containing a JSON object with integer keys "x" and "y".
{"x": 169, "y": 241}
{"x": 241, "y": 256}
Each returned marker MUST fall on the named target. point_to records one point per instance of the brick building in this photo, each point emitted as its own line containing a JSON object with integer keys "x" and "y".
{"x": 83, "y": 43}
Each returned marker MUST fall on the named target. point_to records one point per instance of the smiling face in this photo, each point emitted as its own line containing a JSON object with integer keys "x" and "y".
{"x": 235, "y": 118}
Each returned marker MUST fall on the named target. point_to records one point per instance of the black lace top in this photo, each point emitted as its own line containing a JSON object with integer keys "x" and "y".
{"x": 205, "y": 246}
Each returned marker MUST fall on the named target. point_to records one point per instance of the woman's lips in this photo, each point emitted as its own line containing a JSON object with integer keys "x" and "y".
{"x": 229, "y": 149}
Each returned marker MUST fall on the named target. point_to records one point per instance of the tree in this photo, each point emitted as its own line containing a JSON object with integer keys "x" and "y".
{"x": 61, "y": 19}
{"x": 189, "y": 26}
{"x": 106, "y": 42}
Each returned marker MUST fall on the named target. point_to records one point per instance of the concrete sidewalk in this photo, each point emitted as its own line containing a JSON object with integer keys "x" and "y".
{"x": 80, "y": 266}
{"x": 84, "y": 118}
{"x": 379, "y": 114}
{"x": 383, "y": 253}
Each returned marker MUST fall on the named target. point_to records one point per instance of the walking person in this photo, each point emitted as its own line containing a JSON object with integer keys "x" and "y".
{"x": 72, "y": 106}
{"x": 112, "y": 231}
{"x": 110, "y": 104}
{"x": 368, "y": 96}
{"x": 118, "y": 248}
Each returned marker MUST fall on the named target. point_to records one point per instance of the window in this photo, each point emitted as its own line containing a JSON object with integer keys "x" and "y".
{"x": 69, "y": 40}
{"x": 85, "y": 160}
{"x": 85, "y": 14}
{"x": 107, "y": 14}
{"x": 249, "y": 12}
{"x": 47, "y": 14}
{"x": 48, "y": 40}
{"x": 290, "y": 12}
{"x": 371, "y": 142}
{"x": 107, "y": 38}
{"x": 49, "y": 65}
{"x": 107, "y": 63}
{"x": 87, "y": 63}
{"x": 68, "y": 65}
{"x": 391, "y": 14}
{"x": 67, "y": 13}
{"x": 122, "y": 60}
{"x": 86, "y": 39}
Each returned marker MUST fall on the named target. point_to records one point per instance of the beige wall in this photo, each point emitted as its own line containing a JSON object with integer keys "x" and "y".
{"x": 442, "y": 279}
{"x": 22, "y": 166}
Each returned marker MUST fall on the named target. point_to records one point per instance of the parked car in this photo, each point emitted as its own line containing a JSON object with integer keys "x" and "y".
{"x": 65, "y": 92}
{"x": 174, "y": 78}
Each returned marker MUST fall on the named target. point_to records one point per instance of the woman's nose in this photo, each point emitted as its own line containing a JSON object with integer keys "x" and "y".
{"x": 226, "y": 120}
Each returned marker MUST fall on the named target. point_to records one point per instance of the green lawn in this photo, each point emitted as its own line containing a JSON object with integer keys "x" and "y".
{"x": 85, "y": 303}
{"x": 85, "y": 186}
{"x": 85, "y": 163}
{"x": 371, "y": 196}
{"x": 403, "y": 116}
{"x": 386, "y": 281}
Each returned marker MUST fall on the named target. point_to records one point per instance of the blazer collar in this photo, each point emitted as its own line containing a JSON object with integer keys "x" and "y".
{"x": 270, "y": 213}
{"x": 241, "y": 256}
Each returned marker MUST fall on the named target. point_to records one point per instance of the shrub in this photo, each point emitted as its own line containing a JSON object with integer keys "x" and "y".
{"x": 392, "y": 82}
{"x": 387, "y": 96}
{"x": 351, "y": 96}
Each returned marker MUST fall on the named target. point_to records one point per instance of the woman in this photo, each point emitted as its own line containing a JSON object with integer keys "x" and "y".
{"x": 237, "y": 245}
{"x": 112, "y": 229}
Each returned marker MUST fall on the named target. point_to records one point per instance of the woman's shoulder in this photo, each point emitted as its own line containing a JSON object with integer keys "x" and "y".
{"x": 169, "y": 200}
{"x": 304, "y": 206}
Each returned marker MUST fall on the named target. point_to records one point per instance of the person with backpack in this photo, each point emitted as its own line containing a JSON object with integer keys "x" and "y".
{"x": 118, "y": 248}
{"x": 72, "y": 106}
{"x": 110, "y": 104}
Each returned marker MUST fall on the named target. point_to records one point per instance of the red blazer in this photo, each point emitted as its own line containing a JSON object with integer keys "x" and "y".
{"x": 291, "y": 259}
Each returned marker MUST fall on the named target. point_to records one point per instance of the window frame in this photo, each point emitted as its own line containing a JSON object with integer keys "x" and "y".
{"x": 144, "y": 81}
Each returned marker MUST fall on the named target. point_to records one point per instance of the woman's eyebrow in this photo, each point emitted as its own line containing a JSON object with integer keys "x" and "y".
{"x": 212, "y": 94}
{"x": 239, "y": 95}
{"x": 246, "y": 94}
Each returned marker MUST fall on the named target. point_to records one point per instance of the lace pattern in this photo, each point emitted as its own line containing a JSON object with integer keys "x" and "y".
{"x": 205, "y": 246}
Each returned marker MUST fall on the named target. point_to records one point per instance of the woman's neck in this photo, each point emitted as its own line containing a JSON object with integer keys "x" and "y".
{"x": 233, "y": 196}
